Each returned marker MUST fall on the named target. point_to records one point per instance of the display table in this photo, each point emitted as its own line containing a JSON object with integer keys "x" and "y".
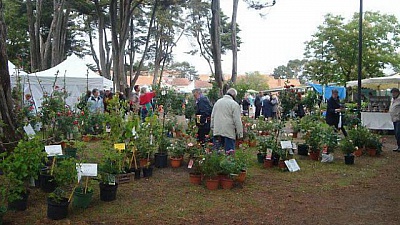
{"x": 376, "y": 120}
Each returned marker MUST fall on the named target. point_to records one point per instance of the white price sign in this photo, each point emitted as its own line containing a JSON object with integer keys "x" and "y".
{"x": 286, "y": 144}
{"x": 29, "y": 131}
{"x": 53, "y": 150}
{"x": 86, "y": 170}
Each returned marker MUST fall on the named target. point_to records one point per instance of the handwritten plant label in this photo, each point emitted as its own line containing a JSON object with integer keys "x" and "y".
{"x": 29, "y": 131}
{"x": 286, "y": 144}
{"x": 108, "y": 128}
{"x": 53, "y": 150}
{"x": 190, "y": 164}
{"x": 119, "y": 146}
{"x": 86, "y": 170}
{"x": 292, "y": 165}
{"x": 269, "y": 154}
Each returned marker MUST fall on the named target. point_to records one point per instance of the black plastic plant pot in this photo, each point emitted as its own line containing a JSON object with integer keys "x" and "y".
{"x": 19, "y": 204}
{"x": 47, "y": 183}
{"x": 108, "y": 192}
{"x": 57, "y": 210}
{"x": 161, "y": 160}
{"x": 70, "y": 152}
{"x": 302, "y": 149}
{"x": 147, "y": 171}
{"x": 81, "y": 199}
{"x": 260, "y": 157}
{"x": 349, "y": 159}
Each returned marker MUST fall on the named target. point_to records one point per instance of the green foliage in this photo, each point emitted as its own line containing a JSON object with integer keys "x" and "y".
{"x": 310, "y": 100}
{"x": 267, "y": 142}
{"x": 111, "y": 163}
{"x": 359, "y": 135}
{"x": 65, "y": 175}
{"x": 211, "y": 164}
{"x": 347, "y": 146}
{"x": 293, "y": 69}
{"x": 184, "y": 70}
{"x": 229, "y": 165}
{"x": 332, "y": 52}
{"x": 177, "y": 148}
{"x": 252, "y": 80}
{"x": 20, "y": 165}
{"x": 146, "y": 140}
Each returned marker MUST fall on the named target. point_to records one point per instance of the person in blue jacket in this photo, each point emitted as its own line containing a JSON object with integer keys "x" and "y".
{"x": 203, "y": 114}
{"x": 334, "y": 111}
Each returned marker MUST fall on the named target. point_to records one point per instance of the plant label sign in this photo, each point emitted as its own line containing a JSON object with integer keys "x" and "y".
{"x": 269, "y": 154}
{"x": 29, "y": 131}
{"x": 292, "y": 165}
{"x": 53, "y": 150}
{"x": 190, "y": 164}
{"x": 119, "y": 146}
{"x": 86, "y": 170}
{"x": 286, "y": 144}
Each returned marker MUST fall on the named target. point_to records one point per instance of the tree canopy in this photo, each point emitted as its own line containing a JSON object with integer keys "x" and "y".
{"x": 332, "y": 52}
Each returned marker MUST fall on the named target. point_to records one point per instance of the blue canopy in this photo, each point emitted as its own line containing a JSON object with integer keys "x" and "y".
{"x": 326, "y": 91}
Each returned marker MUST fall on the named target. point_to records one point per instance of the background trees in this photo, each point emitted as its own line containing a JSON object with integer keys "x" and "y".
{"x": 332, "y": 52}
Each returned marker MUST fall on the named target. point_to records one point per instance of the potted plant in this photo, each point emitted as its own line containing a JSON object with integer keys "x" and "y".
{"x": 196, "y": 153}
{"x": 252, "y": 137}
{"x": 373, "y": 145}
{"x": 160, "y": 158}
{"x": 109, "y": 167}
{"x": 313, "y": 139}
{"x": 229, "y": 168}
{"x": 210, "y": 169}
{"x": 19, "y": 167}
{"x": 242, "y": 159}
{"x": 65, "y": 175}
{"x": 176, "y": 151}
{"x": 82, "y": 194}
{"x": 347, "y": 146}
{"x": 295, "y": 123}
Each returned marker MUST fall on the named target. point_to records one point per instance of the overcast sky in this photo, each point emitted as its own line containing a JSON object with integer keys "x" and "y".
{"x": 279, "y": 36}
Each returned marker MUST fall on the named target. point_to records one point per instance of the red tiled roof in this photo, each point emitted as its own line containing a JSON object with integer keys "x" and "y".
{"x": 202, "y": 84}
{"x": 180, "y": 82}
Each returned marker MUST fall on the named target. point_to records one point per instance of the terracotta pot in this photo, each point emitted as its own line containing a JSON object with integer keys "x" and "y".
{"x": 176, "y": 162}
{"x": 212, "y": 183}
{"x": 86, "y": 138}
{"x": 195, "y": 178}
{"x": 371, "y": 151}
{"x": 358, "y": 152}
{"x": 143, "y": 162}
{"x": 226, "y": 183}
{"x": 268, "y": 163}
{"x": 314, "y": 155}
{"x": 295, "y": 134}
{"x": 253, "y": 143}
{"x": 241, "y": 177}
{"x": 282, "y": 165}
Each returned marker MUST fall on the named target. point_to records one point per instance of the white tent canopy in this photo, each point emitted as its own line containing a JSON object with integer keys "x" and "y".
{"x": 72, "y": 74}
{"x": 379, "y": 83}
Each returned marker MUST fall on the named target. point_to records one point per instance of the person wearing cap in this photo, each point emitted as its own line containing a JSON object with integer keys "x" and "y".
{"x": 333, "y": 112}
{"x": 203, "y": 115}
{"x": 226, "y": 122}
{"x": 394, "y": 111}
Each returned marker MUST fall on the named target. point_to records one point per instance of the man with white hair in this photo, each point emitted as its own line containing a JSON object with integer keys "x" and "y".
{"x": 226, "y": 122}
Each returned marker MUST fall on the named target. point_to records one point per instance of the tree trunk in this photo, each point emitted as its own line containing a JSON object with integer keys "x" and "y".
{"x": 8, "y": 132}
{"x": 216, "y": 42}
{"x": 146, "y": 48}
{"x": 234, "y": 42}
{"x": 34, "y": 43}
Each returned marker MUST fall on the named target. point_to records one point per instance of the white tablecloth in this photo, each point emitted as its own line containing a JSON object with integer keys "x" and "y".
{"x": 377, "y": 120}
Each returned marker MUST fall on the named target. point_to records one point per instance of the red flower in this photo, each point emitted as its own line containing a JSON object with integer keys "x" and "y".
{"x": 82, "y": 113}
{"x": 58, "y": 114}
{"x": 75, "y": 122}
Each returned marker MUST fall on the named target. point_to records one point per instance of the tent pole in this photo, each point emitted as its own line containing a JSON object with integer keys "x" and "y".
{"x": 360, "y": 43}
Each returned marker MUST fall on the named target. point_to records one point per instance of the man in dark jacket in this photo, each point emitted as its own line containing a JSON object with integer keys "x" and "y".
{"x": 203, "y": 114}
{"x": 333, "y": 112}
{"x": 258, "y": 105}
